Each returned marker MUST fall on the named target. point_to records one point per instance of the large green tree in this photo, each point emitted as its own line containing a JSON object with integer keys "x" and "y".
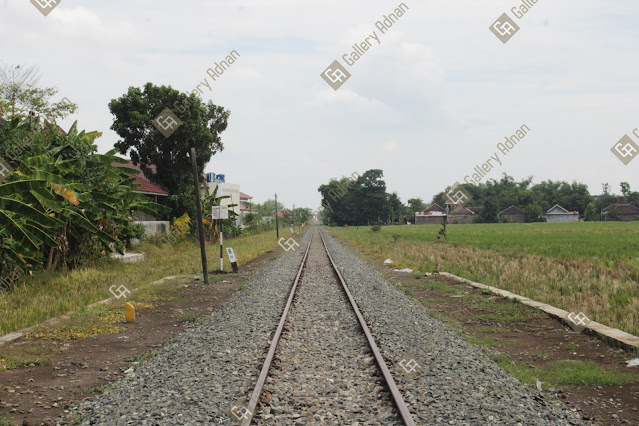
{"x": 166, "y": 160}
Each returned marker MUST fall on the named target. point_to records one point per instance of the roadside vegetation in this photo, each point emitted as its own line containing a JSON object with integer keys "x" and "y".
{"x": 581, "y": 267}
{"x": 50, "y": 294}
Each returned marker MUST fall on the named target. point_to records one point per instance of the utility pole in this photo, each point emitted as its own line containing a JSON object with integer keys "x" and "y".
{"x": 198, "y": 203}
{"x": 277, "y": 228}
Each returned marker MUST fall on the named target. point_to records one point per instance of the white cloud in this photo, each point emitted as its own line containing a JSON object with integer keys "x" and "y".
{"x": 425, "y": 105}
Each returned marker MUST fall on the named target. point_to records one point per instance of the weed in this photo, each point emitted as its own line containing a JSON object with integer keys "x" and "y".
{"x": 103, "y": 389}
{"x": 190, "y": 317}
{"x": 571, "y": 347}
{"x": 145, "y": 357}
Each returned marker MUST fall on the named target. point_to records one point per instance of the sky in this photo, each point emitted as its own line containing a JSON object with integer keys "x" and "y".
{"x": 426, "y": 104}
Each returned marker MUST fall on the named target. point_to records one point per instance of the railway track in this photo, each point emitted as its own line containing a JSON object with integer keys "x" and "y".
{"x": 323, "y": 364}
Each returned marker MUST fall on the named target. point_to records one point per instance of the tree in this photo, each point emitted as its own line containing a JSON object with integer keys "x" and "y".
{"x": 416, "y": 205}
{"x": 166, "y": 161}
{"x": 21, "y": 97}
{"x": 268, "y": 208}
{"x": 490, "y": 212}
{"x": 396, "y": 208}
{"x": 591, "y": 214}
{"x": 534, "y": 212}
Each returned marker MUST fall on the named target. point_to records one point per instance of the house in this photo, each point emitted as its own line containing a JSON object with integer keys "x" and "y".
{"x": 621, "y": 211}
{"x": 461, "y": 214}
{"x": 512, "y": 215}
{"x": 559, "y": 214}
{"x": 224, "y": 188}
{"x": 283, "y": 213}
{"x": 151, "y": 225}
{"x": 245, "y": 204}
{"x": 434, "y": 214}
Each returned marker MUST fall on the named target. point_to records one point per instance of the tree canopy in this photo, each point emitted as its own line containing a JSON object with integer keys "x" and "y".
{"x": 166, "y": 161}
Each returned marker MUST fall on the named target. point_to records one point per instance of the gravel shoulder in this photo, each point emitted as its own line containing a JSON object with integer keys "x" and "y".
{"x": 198, "y": 377}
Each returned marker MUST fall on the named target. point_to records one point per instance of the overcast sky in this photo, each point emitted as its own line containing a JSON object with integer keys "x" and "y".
{"x": 426, "y": 105}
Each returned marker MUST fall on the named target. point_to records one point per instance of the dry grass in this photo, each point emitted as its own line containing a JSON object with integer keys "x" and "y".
{"x": 48, "y": 295}
{"x": 606, "y": 292}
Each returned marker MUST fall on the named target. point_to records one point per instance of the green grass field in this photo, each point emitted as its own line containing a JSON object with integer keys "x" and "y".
{"x": 591, "y": 267}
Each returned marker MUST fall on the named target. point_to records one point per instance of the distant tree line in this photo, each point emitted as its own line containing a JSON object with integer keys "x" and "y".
{"x": 364, "y": 200}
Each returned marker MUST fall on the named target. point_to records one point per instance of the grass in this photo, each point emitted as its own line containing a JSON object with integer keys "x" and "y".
{"x": 46, "y": 295}
{"x": 84, "y": 323}
{"x": 145, "y": 357}
{"x": 103, "y": 389}
{"x": 582, "y": 267}
{"x": 191, "y": 317}
{"x": 565, "y": 373}
{"x": 571, "y": 347}
{"x": 24, "y": 355}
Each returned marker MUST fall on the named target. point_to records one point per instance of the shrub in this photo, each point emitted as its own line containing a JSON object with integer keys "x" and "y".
{"x": 376, "y": 228}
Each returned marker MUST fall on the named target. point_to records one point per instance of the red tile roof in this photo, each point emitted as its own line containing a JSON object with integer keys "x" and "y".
{"x": 146, "y": 187}
{"x": 244, "y": 196}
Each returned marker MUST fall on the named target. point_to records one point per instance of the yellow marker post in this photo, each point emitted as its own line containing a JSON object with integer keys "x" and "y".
{"x": 130, "y": 312}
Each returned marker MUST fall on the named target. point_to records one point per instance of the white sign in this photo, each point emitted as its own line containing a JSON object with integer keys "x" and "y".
{"x": 231, "y": 254}
{"x": 220, "y": 213}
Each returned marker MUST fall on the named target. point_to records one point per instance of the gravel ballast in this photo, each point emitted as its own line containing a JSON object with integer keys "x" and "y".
{"x": 324, "y": 371}
{"x": 198, "y": 377}
{"x": 456, "y": 384}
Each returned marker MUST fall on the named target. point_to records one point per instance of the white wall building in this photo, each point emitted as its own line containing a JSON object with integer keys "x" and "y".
{"x": 227, "y": 189}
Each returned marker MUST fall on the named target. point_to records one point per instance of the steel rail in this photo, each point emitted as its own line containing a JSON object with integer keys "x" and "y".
{"x": 257, "y": 391}
{"x": 388, "y": 377}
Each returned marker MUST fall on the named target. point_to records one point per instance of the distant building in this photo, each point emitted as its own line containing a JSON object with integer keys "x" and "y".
{"x": 461, "y": 214}
{"x": 621, "y": 211}
{"x": 231, "y": 190}
{"x": 434, "y": 214}
{"x": 513, "y": 215}
{"x": 559, "y": 214}
{"x": 245, "y": 204}
{"x": 151, "y": 224}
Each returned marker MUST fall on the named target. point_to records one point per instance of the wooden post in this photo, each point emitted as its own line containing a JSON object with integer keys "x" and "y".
{"x": 277, "y": 228}
{"x": 198, "y": 203}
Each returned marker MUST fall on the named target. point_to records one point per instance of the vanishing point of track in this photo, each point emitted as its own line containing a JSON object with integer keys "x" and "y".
{"x": 391, "y": 386}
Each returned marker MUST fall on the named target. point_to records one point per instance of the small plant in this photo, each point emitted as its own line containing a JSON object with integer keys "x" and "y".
{"x": 181, "y": 226}
{"x": 190, "y": 317}
{"x": 571, "y": 347}
{"x": 396, "y": 237}
{"x": 486, "y": 291}
{"x": 376, "y": 228}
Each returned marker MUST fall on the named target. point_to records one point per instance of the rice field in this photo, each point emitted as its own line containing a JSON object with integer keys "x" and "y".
{"x": 589, "y": 267}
